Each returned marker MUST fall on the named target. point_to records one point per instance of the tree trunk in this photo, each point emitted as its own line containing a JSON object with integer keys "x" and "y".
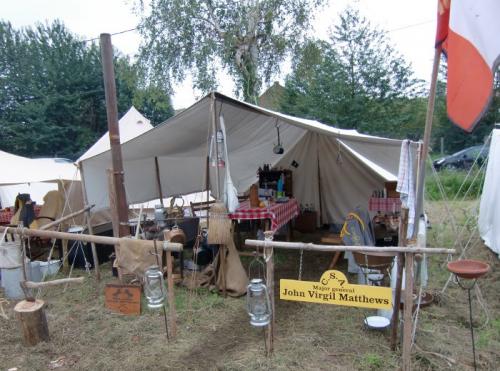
{"x": 32, "y": 321}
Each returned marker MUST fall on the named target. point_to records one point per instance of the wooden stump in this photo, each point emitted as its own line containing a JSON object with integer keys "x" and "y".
{"x": 32, "y": 321}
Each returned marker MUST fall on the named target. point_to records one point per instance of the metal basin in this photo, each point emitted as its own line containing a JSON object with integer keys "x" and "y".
{"x": 468, "y": 268}
{"x": 374, "y": 260}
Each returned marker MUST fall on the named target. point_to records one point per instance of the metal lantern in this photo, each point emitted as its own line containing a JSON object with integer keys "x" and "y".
{"x": 258, "y": 303}
{"x": 217, "y": 155}
{"x": 154, "y": 287}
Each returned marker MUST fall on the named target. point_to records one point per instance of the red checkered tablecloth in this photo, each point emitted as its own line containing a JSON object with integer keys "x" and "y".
{"x": 278, "y": 213}
{"x": 384, "y": 204}
{"x": 6, "y": 214}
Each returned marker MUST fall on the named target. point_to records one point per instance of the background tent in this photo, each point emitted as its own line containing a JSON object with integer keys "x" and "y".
{"x": 131, "y": 125}
{"x": 489, "y": 210}
{"x": 337, "y": 169}
{"x": 34, "y": 176}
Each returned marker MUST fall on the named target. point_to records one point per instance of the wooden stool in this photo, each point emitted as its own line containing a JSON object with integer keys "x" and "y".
{"x": 333, "y": 239}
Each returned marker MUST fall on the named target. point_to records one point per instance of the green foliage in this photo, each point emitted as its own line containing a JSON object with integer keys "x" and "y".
{"x": 455, "y": 184}
{"x": 455, "y": 138}
{"x": 249, "y": 39}
{"x": 52, "y": 95}
{"x": 354, "y": 80}
{"x": 372, "y": 361}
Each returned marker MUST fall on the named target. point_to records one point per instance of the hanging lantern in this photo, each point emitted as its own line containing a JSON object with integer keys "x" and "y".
{"x": 258, "y": 304}
{"x": 154, "y": 287}
{"x": 218, "y": 159}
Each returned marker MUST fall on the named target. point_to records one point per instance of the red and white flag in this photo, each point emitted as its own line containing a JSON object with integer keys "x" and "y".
{"x": 469, "y": 32}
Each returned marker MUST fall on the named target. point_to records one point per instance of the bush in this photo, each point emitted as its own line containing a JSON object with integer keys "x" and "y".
{"x": 453, "y": 183}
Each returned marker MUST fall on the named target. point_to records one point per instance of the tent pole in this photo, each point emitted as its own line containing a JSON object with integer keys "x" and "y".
{"x": 214, "y": 132}
{"x": 427, "y": 136}
{"x": 158, "y": 181}
{"x": 319, "y": 186}
{"x": 89, "y": 227}
{"x": 207, "y": 182}
{"x": 114, "y": 133}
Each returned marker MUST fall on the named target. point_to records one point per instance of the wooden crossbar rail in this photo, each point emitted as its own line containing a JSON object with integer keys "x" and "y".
{"x": 366, "y": 249}
{"x": 103, "y": 240}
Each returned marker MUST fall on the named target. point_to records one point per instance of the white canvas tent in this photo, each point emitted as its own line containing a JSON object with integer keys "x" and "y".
{"x": 34, "y": 176}
{"x": 132, "y": 124}
{"x": 337, "y": 169}
{"x": 489, "y": 210}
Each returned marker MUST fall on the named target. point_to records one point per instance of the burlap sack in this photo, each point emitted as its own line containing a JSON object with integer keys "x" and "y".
{"x": 235, "y": 275}
{"x": 133, "y": 258}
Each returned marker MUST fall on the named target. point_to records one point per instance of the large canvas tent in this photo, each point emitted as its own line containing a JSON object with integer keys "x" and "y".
{"x": 489, "y": 210}
{"x": 335, "y": 171}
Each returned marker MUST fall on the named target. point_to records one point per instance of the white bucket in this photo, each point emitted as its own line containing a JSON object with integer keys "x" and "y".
{"x": 10, "y": 255}
{"x": 35, "y": 272}
{"x": 10, "y": 282}
{"x": 49, "y": 268}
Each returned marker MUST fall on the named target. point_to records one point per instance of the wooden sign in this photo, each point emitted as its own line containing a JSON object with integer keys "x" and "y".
{"x": 122, "y": 298}
{"x": 333, "y": 288}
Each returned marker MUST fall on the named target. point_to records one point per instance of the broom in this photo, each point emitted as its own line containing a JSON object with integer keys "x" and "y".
{"x": 219, "y": 225}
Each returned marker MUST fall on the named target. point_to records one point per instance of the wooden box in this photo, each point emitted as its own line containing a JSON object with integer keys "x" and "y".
{"x": 123, "y": 298}
{"x": 391, "y": 189}
{"x": 305, "y": 222}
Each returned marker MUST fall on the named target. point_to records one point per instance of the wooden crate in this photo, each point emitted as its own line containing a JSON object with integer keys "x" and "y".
{"x": 305, "y": 222}
{"x": 123, "y": 298}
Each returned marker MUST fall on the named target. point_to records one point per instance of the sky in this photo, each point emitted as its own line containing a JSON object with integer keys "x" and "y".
{"x": 410, "y": 24}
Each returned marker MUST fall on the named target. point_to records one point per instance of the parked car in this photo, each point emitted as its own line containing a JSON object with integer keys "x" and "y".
{"x": 462, "y": 159}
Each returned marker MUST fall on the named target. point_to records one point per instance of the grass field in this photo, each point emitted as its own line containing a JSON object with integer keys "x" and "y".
{"x": 214, "y": 333}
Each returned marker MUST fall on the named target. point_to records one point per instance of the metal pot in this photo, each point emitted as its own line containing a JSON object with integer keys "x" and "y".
{"x": 176, "y": 235}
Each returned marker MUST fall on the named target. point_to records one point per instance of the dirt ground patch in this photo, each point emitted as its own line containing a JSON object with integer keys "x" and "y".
{"x": 214, "y": 333}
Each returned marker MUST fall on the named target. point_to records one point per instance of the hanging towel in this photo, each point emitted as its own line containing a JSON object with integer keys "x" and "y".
{"x": 406, "y": 184}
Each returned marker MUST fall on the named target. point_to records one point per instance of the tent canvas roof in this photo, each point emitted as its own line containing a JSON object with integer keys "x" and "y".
{"x": 19, "y": 170}
{"x": 344, "y": 166}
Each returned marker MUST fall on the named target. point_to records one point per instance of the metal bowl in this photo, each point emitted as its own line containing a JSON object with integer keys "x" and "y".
{"x": 377, "y": 322}
{"x": 468, "y": 268}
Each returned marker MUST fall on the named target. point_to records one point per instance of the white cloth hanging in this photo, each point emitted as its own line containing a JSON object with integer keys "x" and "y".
{"x": 230, "y": 195}
{"x": 406, "y": 184}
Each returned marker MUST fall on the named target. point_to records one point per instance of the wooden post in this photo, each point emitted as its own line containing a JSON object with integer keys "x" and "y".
{"x": 158, "y": 182}
{"x": 171, "y": 297}
{"x": 419, "y": 197}
{"x": 90, "y": 229}
{"x": 222, "y": 257}
{"x": 114, "y": 216}
{"x": 64, "y": 218}
{"x": 270, "y": 287}
{"x": 114, "y": 134}
{"x": 216, "y": 145}
{"x": 408, "y": 307}
{"x": 145, "y": 244}
{"x": 403, "y": 228}
{"x": 32, "y": 321}
{"x": 65, "y": 261}
{"x": 269, "y": 258}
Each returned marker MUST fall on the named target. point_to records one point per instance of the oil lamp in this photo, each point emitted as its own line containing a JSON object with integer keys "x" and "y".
{"x": 154, "y": 287}
{"x": 258, "y": 304}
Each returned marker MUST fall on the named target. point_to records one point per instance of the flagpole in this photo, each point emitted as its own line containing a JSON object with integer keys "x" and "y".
{"x": 427, "y": 138}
